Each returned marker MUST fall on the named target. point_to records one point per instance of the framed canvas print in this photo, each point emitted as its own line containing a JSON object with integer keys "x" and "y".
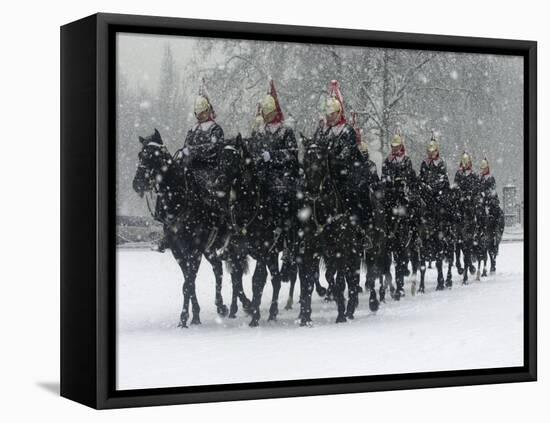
{"x": 256, "y": 211}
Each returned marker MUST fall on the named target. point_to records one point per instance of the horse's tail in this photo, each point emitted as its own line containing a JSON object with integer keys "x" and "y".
{"x": 322, "y": 265}
{"x": 364, "y": 262}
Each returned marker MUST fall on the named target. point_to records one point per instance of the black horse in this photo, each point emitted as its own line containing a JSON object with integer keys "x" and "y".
{"x": 189, "y": 230}
{"x": 327, "y": 232}
{"x": 434, "y": 236}
{"x": 490, "y": 235}
{"x": 251, "y": 226}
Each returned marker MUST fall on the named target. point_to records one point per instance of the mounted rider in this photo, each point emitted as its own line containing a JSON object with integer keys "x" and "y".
{"x": 400, "y": 190}
{"x": 467, "y": 184}
{"x": 345, "y": 159}
{"x": 488, "y": 186}
{"x": 492, "y": 213}
{"x": 434, "y": 191}
{"x": 200, "y": 156}
{"x": 273, "y": 145}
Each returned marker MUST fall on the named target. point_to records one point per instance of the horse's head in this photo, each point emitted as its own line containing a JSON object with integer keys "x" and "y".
{"x": 154, "y": 160}
{"x": 315, "y": 164}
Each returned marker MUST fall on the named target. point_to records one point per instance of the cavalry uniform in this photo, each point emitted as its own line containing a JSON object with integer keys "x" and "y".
{"x": 399, "y": 181}
{"x": 274, "y": 148}
{"x": 434, "y": 192}
{"x": 201, "y": 154}
{"x": 345, "y": 159}
{"x": 493, "y": 216}
{"x": 468, "y": 213}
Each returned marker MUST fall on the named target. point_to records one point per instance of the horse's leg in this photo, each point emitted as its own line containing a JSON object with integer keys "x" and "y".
{"x": 400, "y": 265}
{"x": 422, "y": 285}
{"x": 189, "y": 266}
{"x": 273, "y": 266}
{"x": 183, "y": 262}
{"x": 467, "y": 260}
{"x": 290, "y": 301}
{"x": 372, "y": 271}
{"x": 339, "y": 287}
{"x": 416, "y": 261}
{"x": 458, "y": 248}
{"x": 449, "y": 254}
{"x": 259, "y": 279}
{"x": 238, "y": 290}
{"x": 217, "y": 268}
{"x": 309, "y": 272}
{"x": 329, "y": 276}
{"x": 233, "y": 308}
{"x": 493, "y": 255}
{"x": 320, "y": 289}
{"x": 352, "y": 275}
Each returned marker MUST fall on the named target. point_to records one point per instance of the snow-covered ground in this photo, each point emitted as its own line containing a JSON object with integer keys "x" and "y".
{"x": 474, "y": 326}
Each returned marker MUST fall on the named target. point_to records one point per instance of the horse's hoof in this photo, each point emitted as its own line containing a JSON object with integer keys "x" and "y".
{"x": 359, "y": 289}
{"x": 306, "y": 323}
{"x": 472, "y": 269}
{"x": 182, "y": 325}
{"x": 321, "y": 291}
{"x": 413, "y": 289}
{"x": 232, "y": 316}
{"x": 254, "y": 323}
{"x": 484, "y": 274}
{"x": 222, "y": 310}
{"x": 288, "y": 306}
{"x": 350, "y": 316}
{"x": 196, "y": 321}
{"x": 272, "y": 318}
{"x": 439, "y": 287}
{"x": 374, "y": 305}
{"x": 341, "y": 319}
{"x": 460, "y": 270}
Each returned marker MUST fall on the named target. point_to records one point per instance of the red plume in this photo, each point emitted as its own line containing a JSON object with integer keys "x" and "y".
{"x": 334, "y": 91}
{"x": 273, "y": 92}
{"x": 204, "y": 93}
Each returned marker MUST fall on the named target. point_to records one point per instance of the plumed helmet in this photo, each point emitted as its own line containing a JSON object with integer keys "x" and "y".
{"x": 332, "y": 105}
{"x": 397, "y": 141}
{"x": 484, "y": 164}
{"x": 202, "y": 102}
{"x": 433, "y": 145}
{"x": 268, "y": 105}
{"x": 201, "y": 105}
{"x": 465, "y": 161}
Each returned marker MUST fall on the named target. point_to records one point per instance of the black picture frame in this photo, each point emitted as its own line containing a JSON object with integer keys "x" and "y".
{"x": 88, "y": 211}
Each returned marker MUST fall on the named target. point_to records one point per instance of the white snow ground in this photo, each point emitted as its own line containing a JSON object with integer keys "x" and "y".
{"x": 468, "y": 327}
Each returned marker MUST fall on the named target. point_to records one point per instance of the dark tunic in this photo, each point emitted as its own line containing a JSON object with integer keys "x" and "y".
{"x": 434, "y": 187}
{"x": 345, "y": 163}
{"x": 200, "y": 154}
{"x": 280, "y": 172}
{"x": 399, "y": 181}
